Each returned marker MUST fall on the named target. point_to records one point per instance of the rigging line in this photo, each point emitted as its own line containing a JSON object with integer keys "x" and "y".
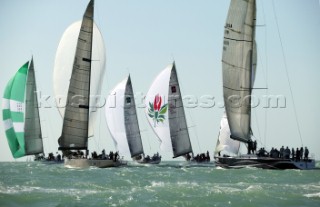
{"x": 190, "y": 115}
{"x": 146, "y": 130}
{"x": 195, "y": 130}
{"x": 265, "y": 70}
{"x": 256, "y": 116}
{"x": 45, "y": 116}
{"x": 287, "y": 73}
{"x": 99, "y": 140}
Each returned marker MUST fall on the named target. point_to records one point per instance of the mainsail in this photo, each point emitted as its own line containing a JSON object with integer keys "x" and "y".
{"x": 237, "y": 66}
{"x": 64, "y": 64}
{"x": 76, "y": 117}
{"x": 122, "y": 120}
{"x": 21, "y": 113}
{"x": 165, "y": 112}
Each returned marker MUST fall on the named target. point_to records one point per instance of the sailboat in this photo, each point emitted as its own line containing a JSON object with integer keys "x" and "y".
{"x": 20, "y": 113}
{"x": 123, "y": 125}
{"x": 165, "y": 113}
{"x": 76, "y": 119}
{"x": 239, "y": 68}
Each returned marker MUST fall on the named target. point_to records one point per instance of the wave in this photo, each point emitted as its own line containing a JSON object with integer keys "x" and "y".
{"x": 312, "y": 195}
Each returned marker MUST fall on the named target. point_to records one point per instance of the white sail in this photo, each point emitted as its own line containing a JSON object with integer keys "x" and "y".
{"x": 122, "y": 119}
{"x": 237, "y": 66}
{"x": 64, "y": 63}
{"x": 225, "y": 143}
{"x": 165, "y": 113}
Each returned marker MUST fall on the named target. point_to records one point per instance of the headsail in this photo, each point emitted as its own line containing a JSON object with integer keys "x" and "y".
{"x": 237, "y": 65}
{"x": 122, "y": 119}
{"x": 76, "y": 118}
{"x": 32, "y": 128}
{"x": 21, "y": 114}
{"x": 165, "y": 112}
{"x": 224, "y": 142}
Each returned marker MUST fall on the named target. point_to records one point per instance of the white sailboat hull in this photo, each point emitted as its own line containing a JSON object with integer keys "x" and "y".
{"x": 86, "y": 163}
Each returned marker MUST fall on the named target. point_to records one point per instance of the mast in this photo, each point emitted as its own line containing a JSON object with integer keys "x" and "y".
{"x": 76, "y": 118}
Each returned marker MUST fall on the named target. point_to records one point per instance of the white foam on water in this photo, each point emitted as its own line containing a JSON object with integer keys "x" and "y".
{"x": 157, "y": 184}
{"x": 254, "y": 188}
{"x": 17, "y": 189}
{"x": 188, "y": 184}
{"x": 312, "y": 195}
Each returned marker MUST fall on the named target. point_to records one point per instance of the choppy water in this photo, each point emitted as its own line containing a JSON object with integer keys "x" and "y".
{"x": 168, "y": 184}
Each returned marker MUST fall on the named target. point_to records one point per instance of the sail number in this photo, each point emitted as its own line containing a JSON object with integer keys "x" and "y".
{"x": 228, "y": 25}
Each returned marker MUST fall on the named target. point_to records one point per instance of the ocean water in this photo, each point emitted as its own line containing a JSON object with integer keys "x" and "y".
{"x": 168, "y": 184}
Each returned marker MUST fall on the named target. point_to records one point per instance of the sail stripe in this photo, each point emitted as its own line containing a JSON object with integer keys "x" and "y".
{"x": 5, "y": 103}
{"x": 17, "y": 116}
{"x": 18, "y": 126}
{"x": 17, "y": 106}
{"x": 7, "y": 124}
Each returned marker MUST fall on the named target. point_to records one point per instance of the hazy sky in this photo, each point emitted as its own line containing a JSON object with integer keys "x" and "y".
{"x": 142, "y": 37}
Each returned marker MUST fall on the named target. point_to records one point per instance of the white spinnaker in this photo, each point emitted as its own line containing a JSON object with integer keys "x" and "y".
{"x": 64, "y": 63}
{"x": 160, "y": 86}
{"x": 225, "y": 143}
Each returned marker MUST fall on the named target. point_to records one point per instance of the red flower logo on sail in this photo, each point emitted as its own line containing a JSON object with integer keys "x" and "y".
{"x": 157, "y": 102}
{"x": 156, "y": 111}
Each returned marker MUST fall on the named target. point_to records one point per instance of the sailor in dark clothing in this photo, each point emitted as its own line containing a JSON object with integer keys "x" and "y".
{"x": 111, "y": 155}
{"x": 297, "y": 154}
{"x": 301, "y": 153}
{"x": 59, "y": 157}
{"x": 250, "y": 143}
{"x": 287, "y": 153}
{"x": 254, "y": 147}
{"x": 306, "y": 153}
{"x": 282, "y": 152}
{"x": 292, "y": 152}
